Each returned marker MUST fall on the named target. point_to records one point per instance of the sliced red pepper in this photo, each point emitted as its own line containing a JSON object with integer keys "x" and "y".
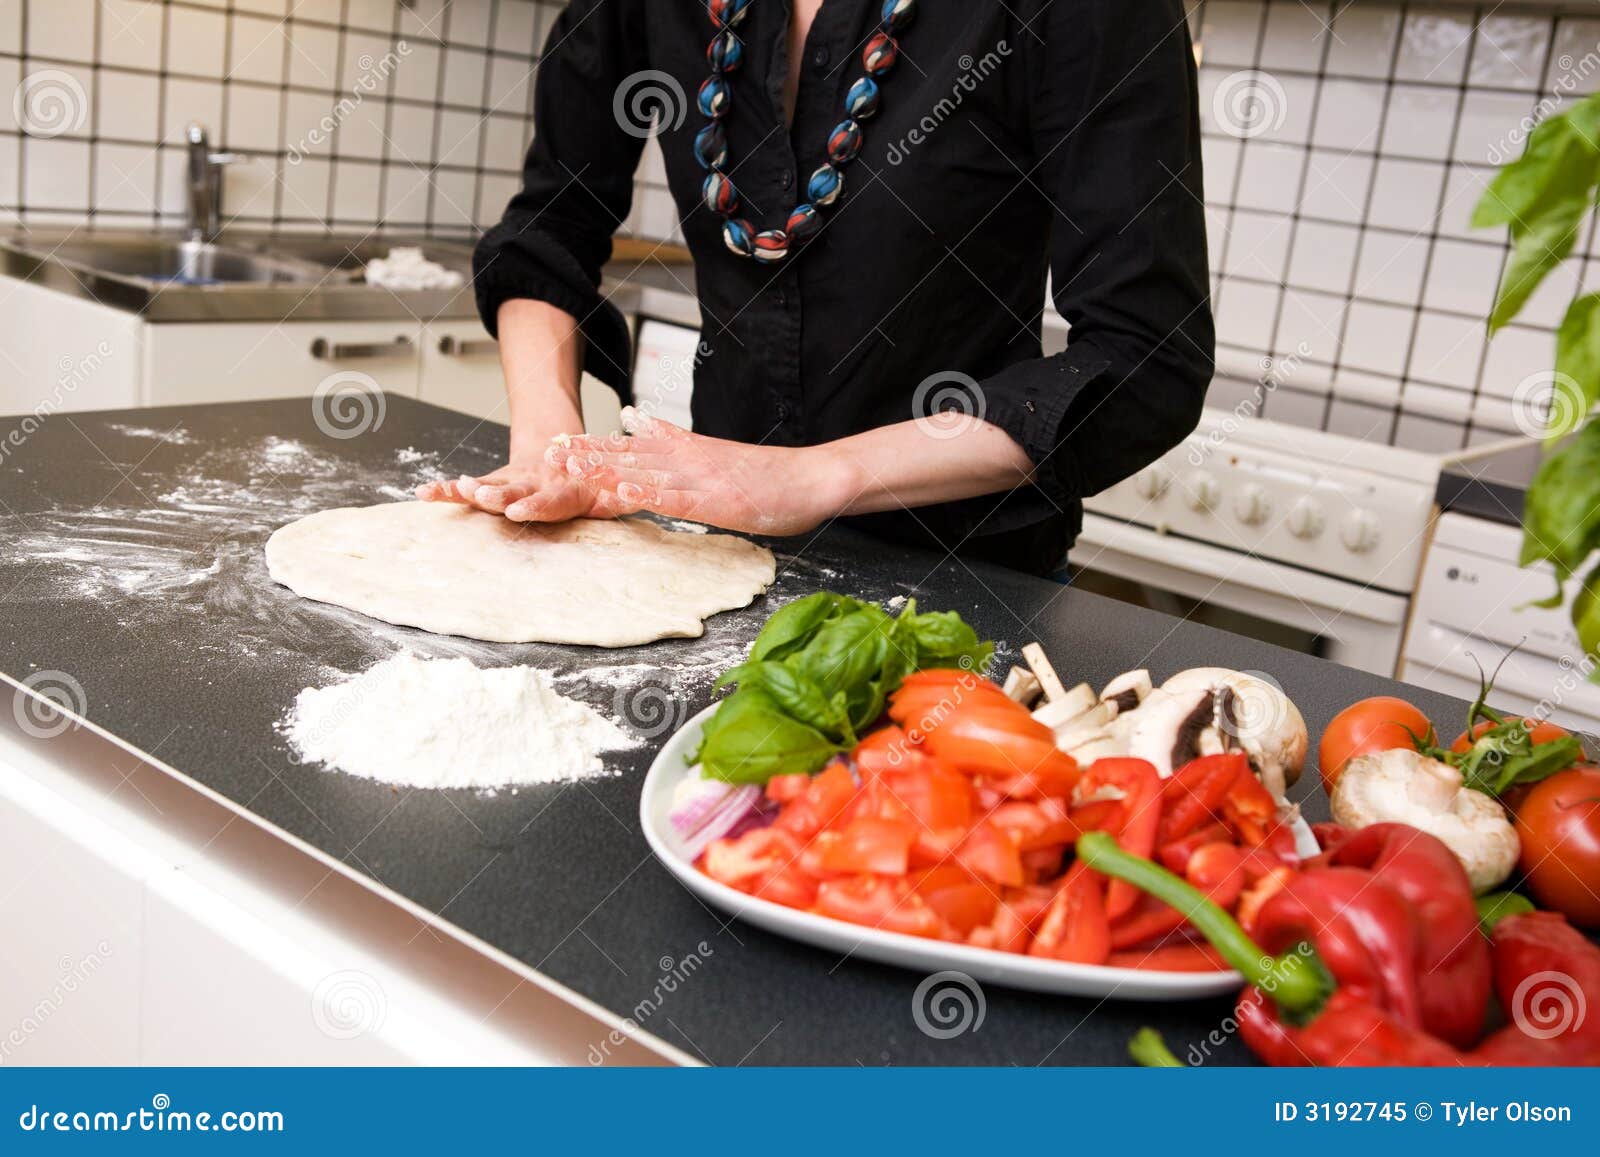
{"x": 1193, "y": 794}
{"x": 1138, "y": 821}
{"x": 1174, "y": 856}
{"x": 1218, "y": 870}
{"x": 1249, "y": 809}
{"x": 1075, "y": 927}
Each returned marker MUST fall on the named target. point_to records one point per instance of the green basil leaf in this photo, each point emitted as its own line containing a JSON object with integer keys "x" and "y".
{"x": 1558, "y": 165}
{"x": 846, "y": 652}
{"x": 1544, "y": 243}
{"x": 1586, "y": 613}
{"x": 1577, "y": 381}
{"x": 1561, "y": 515}
{"x": 796, "y": 694}
{"x": 793, "y": 625}
{"x": 761, "y": 742}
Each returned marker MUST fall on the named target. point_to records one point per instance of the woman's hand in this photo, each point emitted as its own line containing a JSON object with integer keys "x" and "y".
{"x": 668, "y": 470}
{"x": 526, "y": 491}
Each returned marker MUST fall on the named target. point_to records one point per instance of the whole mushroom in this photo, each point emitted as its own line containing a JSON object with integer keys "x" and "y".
{"x": 1404, "y": 786}
{"x": 1216, "y": 709}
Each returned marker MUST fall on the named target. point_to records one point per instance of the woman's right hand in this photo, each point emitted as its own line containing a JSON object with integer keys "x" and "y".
{"x": 525, "y": 491}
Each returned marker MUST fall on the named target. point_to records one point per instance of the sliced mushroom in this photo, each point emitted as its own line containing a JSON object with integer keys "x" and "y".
{"x": 1406, "y": 787}
{"x": 1021, "y": 685}
{"x": 1251, "y": 715}
{"x": 1066, "y": 707}
{"x": 1127, "y": 690}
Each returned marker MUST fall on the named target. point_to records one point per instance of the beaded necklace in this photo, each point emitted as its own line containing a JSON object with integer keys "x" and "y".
{"x": 826, "y": 185}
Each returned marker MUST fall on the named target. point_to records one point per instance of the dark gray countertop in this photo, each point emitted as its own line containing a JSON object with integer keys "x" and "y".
{"x": 133, "y": 565}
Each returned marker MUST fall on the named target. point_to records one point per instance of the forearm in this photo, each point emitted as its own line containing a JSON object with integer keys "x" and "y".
{"x": 939, "y": 459}
{"x": 541, "y": 354}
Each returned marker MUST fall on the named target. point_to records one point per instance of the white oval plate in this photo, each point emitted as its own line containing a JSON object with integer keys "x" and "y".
{"x": 913, "y": 952}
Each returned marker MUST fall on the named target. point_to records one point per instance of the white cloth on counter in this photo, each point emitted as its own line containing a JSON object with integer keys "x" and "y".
{"x": 407, "y": 268}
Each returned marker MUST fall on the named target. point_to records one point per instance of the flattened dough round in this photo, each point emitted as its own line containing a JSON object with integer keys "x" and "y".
{"x": 456, "y": 571}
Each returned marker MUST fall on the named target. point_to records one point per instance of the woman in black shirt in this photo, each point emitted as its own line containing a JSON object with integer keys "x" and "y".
{"x": 873, "y": 193}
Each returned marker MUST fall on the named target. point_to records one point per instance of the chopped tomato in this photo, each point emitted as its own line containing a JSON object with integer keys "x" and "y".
{"x": 886, "y": 749}
{"x": 783, "y": 788}
{"x": 1139, "y": 785}
{"x": 870, "y": 844}
{"x": 764, "y": 862}
{"x": 878, "y": 903}
{"x": 988, "y": 852}
{"x": 1034, "y": 825}
{"x": 824, "y": 798}
{"x": 961, "y": 900}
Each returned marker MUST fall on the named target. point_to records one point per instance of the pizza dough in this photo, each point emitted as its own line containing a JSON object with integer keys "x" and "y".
{"x": 455, "y": 571}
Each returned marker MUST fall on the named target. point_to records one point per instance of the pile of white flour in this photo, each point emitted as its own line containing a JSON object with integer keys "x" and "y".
{"x": 447, "y": 723}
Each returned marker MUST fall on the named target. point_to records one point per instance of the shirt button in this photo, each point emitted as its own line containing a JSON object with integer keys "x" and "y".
{"x": 787, "y": 179}
{"x": 781, "y": 296}
{"x": 820, "y": 58}
{"x": 782, "y": 412}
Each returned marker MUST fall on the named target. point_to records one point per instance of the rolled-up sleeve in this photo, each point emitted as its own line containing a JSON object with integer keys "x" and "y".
{"x": 577, "y": 185}
{"x": 1117, "y": 139}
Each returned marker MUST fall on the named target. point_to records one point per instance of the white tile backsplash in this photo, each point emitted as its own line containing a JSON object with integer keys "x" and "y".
{"x": 10, "y": 25}
{"x": 196, "y": 40}
{"x": 1434, "y": 45}
{"x": 1324, "y": 256}
{"x": 1510, "y": 52}
{"x": 1421, "y": 121}
{"x": 1350, "y": 114}
{"x": 60, "y": 30}
{"x": 127, "y": 103}
{"x": 1363, "y": 41}
{"x": 1337, "y": 185}
{"x": 1405, "y": 194}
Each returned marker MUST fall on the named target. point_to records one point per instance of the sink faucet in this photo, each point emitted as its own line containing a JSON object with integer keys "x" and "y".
{"x": 204, "y": 201}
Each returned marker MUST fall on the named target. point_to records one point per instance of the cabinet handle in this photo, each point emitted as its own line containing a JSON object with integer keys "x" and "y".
{"x": 454, "y": 347}
{"x": 400, "y": 347}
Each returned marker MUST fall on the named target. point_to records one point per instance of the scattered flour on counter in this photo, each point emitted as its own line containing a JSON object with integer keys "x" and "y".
{"x": 897, "y": 602}
{"x": 447, "y": 723}
{"x": 178, "y": 436}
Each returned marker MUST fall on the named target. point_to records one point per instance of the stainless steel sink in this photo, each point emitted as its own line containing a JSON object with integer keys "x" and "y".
{"x": 242, "y": 276}
{"x": 170, "y": 262}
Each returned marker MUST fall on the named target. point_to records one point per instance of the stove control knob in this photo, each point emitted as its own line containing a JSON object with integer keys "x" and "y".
{"x": 1252, "y": 504}
{"x": 1202, "y": 490}
{"x": 1152, "y": 482}
{"x": 1306, "y": 519}
{"x": 1359, "y": 532}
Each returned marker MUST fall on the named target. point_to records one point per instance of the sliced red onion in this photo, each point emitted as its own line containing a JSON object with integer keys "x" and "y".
{"x": 704, "y": 810}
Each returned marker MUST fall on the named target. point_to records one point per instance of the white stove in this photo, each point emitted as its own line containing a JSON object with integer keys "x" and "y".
{"x": 1301, "y": 537}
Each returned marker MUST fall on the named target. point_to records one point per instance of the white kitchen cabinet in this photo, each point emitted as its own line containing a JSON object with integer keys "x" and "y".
{"x": 61, "y": 353}
{"x": 461, "y": 371}
{"x": 238, "y": 361}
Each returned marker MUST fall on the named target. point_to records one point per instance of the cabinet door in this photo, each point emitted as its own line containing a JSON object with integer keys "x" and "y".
{"x": 461, "y": 371}
{"x": 237, "y": 361}
{"x": 60, "y": 353}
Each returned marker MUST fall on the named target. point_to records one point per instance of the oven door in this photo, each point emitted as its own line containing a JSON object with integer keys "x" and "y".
{"x": 1328, "y": 617}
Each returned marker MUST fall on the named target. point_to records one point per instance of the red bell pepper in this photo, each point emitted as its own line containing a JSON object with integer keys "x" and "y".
{"x": 1138, "y": 817}
{"x": 1074, "y": 927}
{"x": 1193, "y": 794}
{"x": 1452, "y": 958}
{"x": 1346, "y": 948}
{"x": 1545, "y": 973}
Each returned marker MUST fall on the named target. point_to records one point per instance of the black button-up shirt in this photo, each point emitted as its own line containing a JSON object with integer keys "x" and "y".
{"x": 1012, "y": 140}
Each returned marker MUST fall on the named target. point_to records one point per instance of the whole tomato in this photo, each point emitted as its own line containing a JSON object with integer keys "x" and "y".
{"x": 1559, "y": 826}
{"x": 1381, "y": 723}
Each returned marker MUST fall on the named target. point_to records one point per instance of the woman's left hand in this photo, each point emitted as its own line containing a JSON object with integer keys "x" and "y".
{"x": 777, "y": 490}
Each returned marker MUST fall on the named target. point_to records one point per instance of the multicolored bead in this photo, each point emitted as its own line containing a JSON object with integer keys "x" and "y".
{"x": 803, "y": 224}
{"x": 770, "y": 245}
{"x": 862, "y": 99}
{"x": 897, "y": 13}
{"x": 825, "y": 185}
{"x": 711, "y": 146}
{"x": 844, "y": 142}
{"x": 727, "y": 13}
{"x": 879, "y": 55}
{"x": 738, "y": 236}
{"x": 714, "y": 97}
{"x": 719, "y": 194}
{"x": 725, "y": 52}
